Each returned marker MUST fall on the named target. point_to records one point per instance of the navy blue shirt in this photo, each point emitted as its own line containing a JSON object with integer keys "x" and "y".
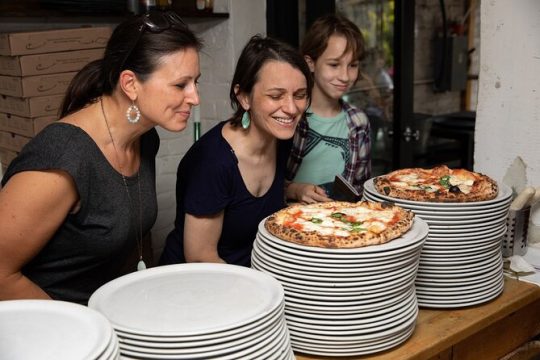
{"x": 208, "y": 182}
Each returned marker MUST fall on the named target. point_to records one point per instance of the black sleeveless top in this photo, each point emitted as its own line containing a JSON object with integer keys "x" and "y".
{"x": 92, "y": 245}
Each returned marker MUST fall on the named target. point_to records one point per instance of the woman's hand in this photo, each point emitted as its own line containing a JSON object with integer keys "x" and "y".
{"x": 306, "y": 193}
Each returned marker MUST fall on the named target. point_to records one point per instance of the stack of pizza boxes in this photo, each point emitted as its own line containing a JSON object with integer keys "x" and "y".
{"x": 36, "y": 68}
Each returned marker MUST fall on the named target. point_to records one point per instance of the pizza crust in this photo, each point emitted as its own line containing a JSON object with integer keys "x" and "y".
{"x": 482, "y": 188}
{"x": 279, "y": 225}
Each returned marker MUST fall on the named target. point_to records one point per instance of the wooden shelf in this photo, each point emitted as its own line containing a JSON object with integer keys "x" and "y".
{"x": 36, "y": 8}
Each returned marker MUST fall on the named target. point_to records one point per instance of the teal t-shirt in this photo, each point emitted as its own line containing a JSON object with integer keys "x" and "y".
{"x": 326, "y": 151}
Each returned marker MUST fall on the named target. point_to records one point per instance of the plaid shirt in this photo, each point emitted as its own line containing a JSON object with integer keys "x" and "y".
{"x": 358, "y": 168}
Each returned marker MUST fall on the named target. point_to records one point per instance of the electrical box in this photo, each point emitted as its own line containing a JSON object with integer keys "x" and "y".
{"x": 451, "y": 63}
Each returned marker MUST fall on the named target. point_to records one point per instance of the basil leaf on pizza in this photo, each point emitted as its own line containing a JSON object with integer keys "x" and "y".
{"x": 439, "y": 184}
{"x": 340, "y": 224}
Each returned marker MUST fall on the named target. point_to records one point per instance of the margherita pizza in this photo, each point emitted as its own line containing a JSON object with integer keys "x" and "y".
{"x": 339, "y": 224}
{"x": 439, "y": 184}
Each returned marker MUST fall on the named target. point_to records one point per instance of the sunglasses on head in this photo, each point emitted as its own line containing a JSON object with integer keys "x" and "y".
{"x": 155, "y": 22}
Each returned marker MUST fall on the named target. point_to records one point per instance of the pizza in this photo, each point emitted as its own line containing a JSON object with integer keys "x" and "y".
{"x": 340, "y": 224}
{"x": 439, "y": 184}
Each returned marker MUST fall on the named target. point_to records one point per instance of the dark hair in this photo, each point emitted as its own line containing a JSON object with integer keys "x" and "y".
{"x": 316, "y": 38}
{"x": 255, "y": 54}
{"x": 133, "y": 45}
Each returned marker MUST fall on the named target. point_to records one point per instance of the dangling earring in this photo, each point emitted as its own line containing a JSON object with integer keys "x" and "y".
{"x": 245, "y": 120}
{"x": 133, "y": 114}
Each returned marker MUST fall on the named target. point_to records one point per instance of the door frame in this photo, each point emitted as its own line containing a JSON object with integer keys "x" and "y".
{"x": 403, "y": 149}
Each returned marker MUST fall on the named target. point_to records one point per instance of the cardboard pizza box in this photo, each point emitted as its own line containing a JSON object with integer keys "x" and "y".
{"x": 46, "y": 41}
{"x": 51, "y": 63}
{"x": 33, "y": 106}
{"x": 12, "y": 141}
{"x": 24, "y": 126}
{"x": 39, "y": 85}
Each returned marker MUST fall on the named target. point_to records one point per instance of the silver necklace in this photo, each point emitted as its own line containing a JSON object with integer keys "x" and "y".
{"x": 139, "y": 236}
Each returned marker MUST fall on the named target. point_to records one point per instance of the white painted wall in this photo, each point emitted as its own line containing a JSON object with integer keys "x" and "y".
{"x": 508, "y": 107}
{"x": 507, "y": 122}
{"x": 224, "y": 40}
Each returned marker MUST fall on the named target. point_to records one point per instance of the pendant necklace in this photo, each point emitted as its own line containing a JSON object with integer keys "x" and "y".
{"x": 139, "y": 234}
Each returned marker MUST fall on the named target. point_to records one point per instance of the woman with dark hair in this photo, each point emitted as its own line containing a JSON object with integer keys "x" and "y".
{"x": 81, "y": 195}
{"x": 335, "y": 136}
{"x": 233, "y": 177}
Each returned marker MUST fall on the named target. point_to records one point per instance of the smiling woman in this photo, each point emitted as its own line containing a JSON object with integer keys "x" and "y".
{"x": 233, "y": 177}
{"x": 80, "y": 197}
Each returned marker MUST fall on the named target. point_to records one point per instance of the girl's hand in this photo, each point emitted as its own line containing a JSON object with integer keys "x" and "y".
{"x": 306, "y": 193}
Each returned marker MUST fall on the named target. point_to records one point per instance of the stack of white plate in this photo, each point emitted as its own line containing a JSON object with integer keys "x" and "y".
{"x": 54, "y": 330}
{"x": 196, "y": 311}
{"x": 461, "y": 261}
{"x": 344, "y": 302}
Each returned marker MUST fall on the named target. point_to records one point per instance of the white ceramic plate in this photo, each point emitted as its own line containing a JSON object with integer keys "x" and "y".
{"x": 362, "y": 317}
{"x": 504, "y": 193}
{"x": 363, "y": 303}
{"x": 52, "y": 330}
{"x": 187, "y": 299}
{"x": 449, "y": 304}
{"x": 332, "y": 286}
{"x": 198, "y": 340}
{"x": 338, "y": 343}
{"x": 269, "y": 331}
{"x": 326, "y": 349}
{"x": 473, "y": 271}
{"x": 377, "y": 323}
{"x": 464, "y": 211}
{"x": 297, "y": 304}
{"x": 366, "y": 330}
{"x": 433, "y": 281}
{"x": 379, "y": 262}
{"x": 488, "y": 227}
{"x": 461, "y": 218}
{"x": 229, "y": 338}
{"x": 448, "y": 252}
{"x": 473, "y": 258}
{"x": 459, "y": 290}
{"x": 397, "y": 328}
{"x": 456, "y": 246}
{"x": 371, "y": 275}
{"x": 383, "y": 259}
{"x": 416, "y": 234}
{"x": 329, "y": 308}
{"x": 460, "y": 267}
{"x": 112, "y": 352}
{"x": 265, "y": 346}
{"x": 465, "y": 234}
{"x": 467, "y": 224}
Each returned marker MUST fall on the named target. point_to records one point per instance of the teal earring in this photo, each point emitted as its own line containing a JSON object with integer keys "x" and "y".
{"x": 245, "y": 120}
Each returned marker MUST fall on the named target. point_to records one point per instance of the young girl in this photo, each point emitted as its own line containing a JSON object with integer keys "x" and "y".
{"x": 334, "y": 138}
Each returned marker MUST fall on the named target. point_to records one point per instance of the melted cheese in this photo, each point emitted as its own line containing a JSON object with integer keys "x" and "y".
{"x": 353, "y": 220}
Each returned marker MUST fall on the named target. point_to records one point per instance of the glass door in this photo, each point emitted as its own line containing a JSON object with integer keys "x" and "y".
{"x": 374, "y": 91}
{"x": 384, "y": 90}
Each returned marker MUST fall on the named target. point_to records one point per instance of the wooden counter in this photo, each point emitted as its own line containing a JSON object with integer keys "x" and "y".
{"x": 488, "y": 331}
